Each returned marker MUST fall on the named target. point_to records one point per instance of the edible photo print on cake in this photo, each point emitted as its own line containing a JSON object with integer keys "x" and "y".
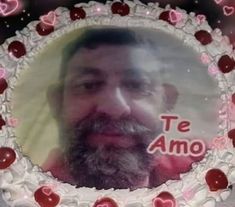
{"x": 116, "y": 107}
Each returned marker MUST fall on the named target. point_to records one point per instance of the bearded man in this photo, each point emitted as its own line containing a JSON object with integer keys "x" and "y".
{"x": 107, "y": 106}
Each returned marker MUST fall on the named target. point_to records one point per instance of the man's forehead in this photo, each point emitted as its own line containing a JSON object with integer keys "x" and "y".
{"x": 115, "y": 58}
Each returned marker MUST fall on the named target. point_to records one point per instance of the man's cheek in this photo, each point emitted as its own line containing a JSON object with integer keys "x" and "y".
{"x": 147, "y": 113}
{"x": 75, "y": 110}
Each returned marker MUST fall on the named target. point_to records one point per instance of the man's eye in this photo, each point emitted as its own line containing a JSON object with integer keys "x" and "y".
{"x": 89, "y": 86}
{"x": 137, "y": 85}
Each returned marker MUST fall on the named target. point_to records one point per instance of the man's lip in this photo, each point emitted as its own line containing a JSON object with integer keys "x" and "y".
{"x": 111, "y": 134}
{"x": 110, "y": 139}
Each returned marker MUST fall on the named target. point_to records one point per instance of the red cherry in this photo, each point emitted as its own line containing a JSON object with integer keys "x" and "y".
{"x": 105, "y": 202}
{"x": 17, "y": 49}
{"x": 226, "y": 64}
{"x": 231, "y": 135}
{"x": 203, "y": 37}
{"x": 216, "y": 180}
{"x": 233, "y": 98}
{"x": 7, "y": 157}
{"x": 165, "y": 16}
{"x": 2, "y": 122}
{"x": 164, "y": 199}
{"x": 77, "y": 13}
{"x": 3, "y": 85}
{"x": 120, "y": 8}
{"x": 43, "y": 29}
{"x": 46, "y": 197}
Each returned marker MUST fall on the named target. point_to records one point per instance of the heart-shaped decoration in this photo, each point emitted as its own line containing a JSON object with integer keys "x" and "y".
{"x": 164, "y": 199}
{"x": 47, "y": 191}
{"x": 3, "y": 7}
{"x": 7, "y": 157}
{"x": 213, "y": 70}
{"x": 105, "y": 202}
{"x": 49, "y": 19}
{"x": 218, "y": 1}
{"x": 216, "y": 179}
{"x": 159, "y": 202}
{"x": 13, "y": 122}
{"x": 120, "y": 8}
{"x": 8, "y": 7}
{"x": 45, "y": 197}
{"x": 175, "y": 16}
{"x": 226, "y": 64}
{"x": 228, "y": 10}
{"x": 188, "y": 194}
{"x": 205, "y": 58}
{"x": 201, "y": 18}
{"x": 219, "y": 143}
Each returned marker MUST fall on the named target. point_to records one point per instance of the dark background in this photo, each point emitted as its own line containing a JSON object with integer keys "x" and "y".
{"x": 33, "y": 9}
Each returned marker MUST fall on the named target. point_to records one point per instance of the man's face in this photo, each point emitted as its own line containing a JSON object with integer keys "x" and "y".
{"x": 115, "y": 80}
{"x": 112, "y": 98}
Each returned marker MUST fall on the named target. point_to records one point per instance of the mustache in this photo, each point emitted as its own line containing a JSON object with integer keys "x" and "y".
{"x": 102, "y": 123}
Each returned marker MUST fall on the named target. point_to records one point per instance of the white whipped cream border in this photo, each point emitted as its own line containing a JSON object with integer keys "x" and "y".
{"x": 22, "y": 178}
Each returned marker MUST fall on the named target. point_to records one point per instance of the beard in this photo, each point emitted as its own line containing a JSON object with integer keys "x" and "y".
{"x": 108, "y": 166}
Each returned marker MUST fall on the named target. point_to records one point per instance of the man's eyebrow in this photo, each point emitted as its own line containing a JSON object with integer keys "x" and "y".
{"x": 135, "y": 72}
{"x": 83, "y": 71}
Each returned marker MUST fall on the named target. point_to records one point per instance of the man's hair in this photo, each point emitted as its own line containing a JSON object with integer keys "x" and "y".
{"x": 93, "y": 37}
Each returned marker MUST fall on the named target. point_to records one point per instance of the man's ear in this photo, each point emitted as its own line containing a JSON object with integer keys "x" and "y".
{"x": 55, "y": 99}
{"x": 171, "y": 95}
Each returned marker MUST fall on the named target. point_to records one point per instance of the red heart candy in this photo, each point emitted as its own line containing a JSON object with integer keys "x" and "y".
{"x": 45, "y": 197}
{"x": 216, "y": 180}
{"x": 7, "y": 157}
{"x": 120, "y": 8}
{"x": 164, "y": 199}
{"x": 105, "y": 202}
{"x": 158, "y": 202}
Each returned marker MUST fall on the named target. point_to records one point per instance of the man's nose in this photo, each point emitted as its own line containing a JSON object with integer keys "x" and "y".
{"x": 114, "y": 103}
